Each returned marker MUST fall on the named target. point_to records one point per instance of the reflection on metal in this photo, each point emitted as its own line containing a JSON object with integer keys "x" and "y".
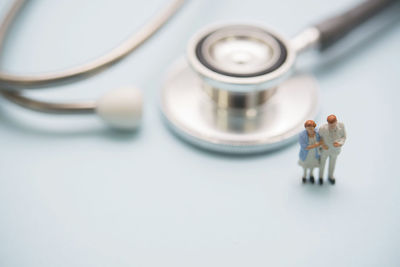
{"x": 195, "y": 116}
{"x": 238, "y": 100}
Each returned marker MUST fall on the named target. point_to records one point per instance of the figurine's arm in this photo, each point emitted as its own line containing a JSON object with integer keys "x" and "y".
{"x": 343, "y": 139}
{"x": 321, "y": 132}
{"x": 319, "y": 143}
{"x": 324, "y": 146}
{"x": 340, "y": 141}
{"x": 313, "y": 146}
{"x": 303, "y": 142}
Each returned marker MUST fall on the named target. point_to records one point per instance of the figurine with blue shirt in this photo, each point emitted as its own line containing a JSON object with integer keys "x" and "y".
{"x": 309, "y": 157}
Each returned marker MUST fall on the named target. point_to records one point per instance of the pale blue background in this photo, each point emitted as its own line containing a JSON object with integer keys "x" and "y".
{"x": 75, "y": 194}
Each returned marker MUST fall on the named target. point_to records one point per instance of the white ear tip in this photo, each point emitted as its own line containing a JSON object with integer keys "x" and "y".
{"x": 121, "y": 108}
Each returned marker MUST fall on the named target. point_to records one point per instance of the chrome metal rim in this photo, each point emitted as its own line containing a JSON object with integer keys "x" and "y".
{"x": 191, "y": 114}
{"x": 261, "y": 76}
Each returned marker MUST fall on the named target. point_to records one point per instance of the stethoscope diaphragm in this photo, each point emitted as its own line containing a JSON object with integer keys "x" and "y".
{"x": 240, "y": 51}
{"x": 228, "y": 96}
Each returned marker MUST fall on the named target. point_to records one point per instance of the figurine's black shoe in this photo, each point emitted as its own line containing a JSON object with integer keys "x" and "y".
{"x": 312, "y": 180}
{"x": 332, "y": 180}
{"x": 304, "y": 180}
{"x": 321, "y": 181}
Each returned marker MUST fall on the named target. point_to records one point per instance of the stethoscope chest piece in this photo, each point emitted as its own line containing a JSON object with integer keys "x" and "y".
{"x": 233, "y": 93}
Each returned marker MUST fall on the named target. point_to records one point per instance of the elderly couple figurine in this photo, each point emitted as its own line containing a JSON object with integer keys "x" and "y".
{"x": 317, "y": 145}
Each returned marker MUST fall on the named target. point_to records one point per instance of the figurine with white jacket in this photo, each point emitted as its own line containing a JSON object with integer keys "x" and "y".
{"x": 332, "y": 138}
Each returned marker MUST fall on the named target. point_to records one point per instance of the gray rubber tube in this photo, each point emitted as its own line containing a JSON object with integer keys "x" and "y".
{"x": 334, "y": 28}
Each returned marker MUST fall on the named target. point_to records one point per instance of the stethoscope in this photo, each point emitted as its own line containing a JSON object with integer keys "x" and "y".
{"x": 120, "y": 108}
{"x": 235, "y": 92}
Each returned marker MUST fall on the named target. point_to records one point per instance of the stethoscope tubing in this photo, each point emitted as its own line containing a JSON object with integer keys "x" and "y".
{"x": 12, "y": 86}
{"x": 12, "y": 81}
{"x": 322, "y": 36}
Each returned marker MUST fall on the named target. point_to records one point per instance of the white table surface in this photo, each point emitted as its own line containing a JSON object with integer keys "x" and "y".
{"x": 75, "y": 194}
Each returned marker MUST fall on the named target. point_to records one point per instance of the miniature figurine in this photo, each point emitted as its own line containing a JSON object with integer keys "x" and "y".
{"x": 333, "y": 136}
{"x": 309, "y": 143}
